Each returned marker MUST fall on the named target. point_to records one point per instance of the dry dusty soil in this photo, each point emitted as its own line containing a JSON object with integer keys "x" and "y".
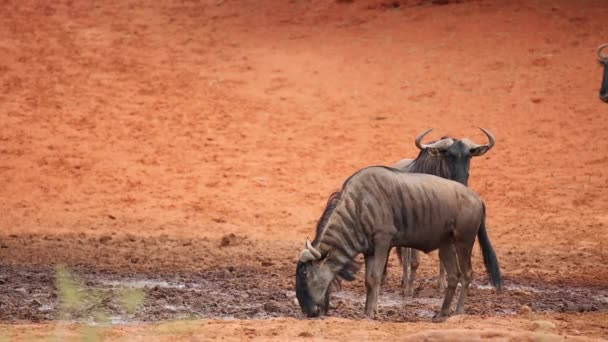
{"x": 185, "y": 150}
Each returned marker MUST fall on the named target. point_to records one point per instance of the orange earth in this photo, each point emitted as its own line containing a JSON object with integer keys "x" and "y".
{"x": 183, "y": 137}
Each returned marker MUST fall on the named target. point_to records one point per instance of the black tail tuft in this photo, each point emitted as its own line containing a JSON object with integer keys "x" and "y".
{"x": 489, "y": 257}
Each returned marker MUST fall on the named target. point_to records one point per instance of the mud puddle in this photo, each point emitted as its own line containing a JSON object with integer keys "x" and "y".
{"x": 29, "y": 294}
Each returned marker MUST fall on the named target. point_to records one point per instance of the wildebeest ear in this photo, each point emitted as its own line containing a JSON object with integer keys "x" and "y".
{"x": 479, "y": 151}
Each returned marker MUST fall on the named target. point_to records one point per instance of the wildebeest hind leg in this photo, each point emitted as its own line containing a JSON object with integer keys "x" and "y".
{"x": 374, "y": 267}
{"x": 464, "y": 258}
{"x": 449, "y": 260}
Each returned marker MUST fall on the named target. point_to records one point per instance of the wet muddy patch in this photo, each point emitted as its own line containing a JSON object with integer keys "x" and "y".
{"x": 30, "y": 294}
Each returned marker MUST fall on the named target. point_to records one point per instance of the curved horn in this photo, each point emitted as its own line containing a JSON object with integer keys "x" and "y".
{"x": 441, "y": 144}
{"x": 419, "y": 138}
{"x": 313, "y": 250}
{"x": 600, "y": 56}
{"x": 491, "y": 141}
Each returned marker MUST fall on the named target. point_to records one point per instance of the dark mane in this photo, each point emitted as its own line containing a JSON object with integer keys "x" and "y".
{"x": 351, "y": 268}
{"x": 332, "y": 202}
{"x": 426, "y": 163}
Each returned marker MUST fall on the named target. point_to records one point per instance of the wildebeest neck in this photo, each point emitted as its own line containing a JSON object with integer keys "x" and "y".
{"x": 426, "y": 163}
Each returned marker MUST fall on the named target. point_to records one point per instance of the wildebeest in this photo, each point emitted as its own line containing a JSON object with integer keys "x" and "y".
{"x": 379, "y": 208}
{"x": 603, "y": 59}
{"x": 447, "y": 158}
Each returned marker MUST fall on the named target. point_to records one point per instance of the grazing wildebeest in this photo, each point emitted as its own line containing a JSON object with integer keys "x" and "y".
{"x": 603, "y": 59}
{"x": 447, "y": 158}
{"x": 379, "y": 208}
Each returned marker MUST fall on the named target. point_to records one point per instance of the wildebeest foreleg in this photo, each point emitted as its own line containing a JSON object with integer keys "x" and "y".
{"x": 411, "y": 259}
{"x": 450, "y": 261}
{"x": 384, "y": 273}
{"x": 405, "y": 264}
{"x": 374, "y": 268}
{"x": 441, "y": 278}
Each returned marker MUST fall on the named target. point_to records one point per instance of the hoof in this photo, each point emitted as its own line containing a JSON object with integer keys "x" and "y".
{"x": 439, "y": 318}
{"x": 370, "y": 316}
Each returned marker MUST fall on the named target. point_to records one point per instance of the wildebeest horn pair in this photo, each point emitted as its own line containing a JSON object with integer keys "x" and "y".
{"x": 447, "y": 142}
{"x": 309, "y": 253}
{"x": 600, "y": 56}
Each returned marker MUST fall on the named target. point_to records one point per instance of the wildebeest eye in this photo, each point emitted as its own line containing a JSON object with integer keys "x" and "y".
{"x": 303, "y": 269}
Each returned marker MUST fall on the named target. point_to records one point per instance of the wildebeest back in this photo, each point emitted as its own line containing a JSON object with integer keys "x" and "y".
{"x": 417, "y": 210}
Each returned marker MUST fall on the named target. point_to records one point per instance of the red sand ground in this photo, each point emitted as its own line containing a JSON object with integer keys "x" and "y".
{"x": 198, "y": 119}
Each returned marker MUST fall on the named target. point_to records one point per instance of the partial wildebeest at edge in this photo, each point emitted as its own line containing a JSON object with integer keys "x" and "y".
{"x": 379, "y": 208}
{"x": 447, "y": 158}
{"x": 603, "y": 59}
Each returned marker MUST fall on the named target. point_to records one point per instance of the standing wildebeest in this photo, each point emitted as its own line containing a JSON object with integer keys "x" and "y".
{"x": 447, "y": 158}
{"x": 379, "y": 208}
{"x": 604, "y": 61}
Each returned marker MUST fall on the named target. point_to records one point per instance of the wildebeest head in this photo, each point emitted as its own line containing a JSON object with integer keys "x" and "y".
{"x": 603, "y": 59}
{"x": 316, "y": 274}
{"x": 455, "y": 154}
{"x": 312, "y": 285}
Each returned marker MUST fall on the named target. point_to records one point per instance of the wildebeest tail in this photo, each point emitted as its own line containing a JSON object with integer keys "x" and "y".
{"x": 489, "y": 257}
